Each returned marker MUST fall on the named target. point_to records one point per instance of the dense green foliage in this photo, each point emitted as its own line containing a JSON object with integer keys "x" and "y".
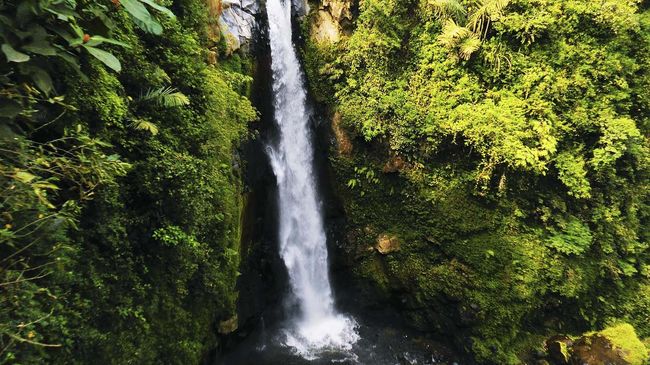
{"x": 121, "y": 194}
{"x": 513, "y": 140}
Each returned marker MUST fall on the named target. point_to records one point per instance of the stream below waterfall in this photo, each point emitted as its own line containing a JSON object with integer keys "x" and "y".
{"x": 377, "y": 345}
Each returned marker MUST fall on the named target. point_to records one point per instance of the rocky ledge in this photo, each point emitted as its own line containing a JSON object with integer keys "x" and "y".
{"x": 238, "y": 21}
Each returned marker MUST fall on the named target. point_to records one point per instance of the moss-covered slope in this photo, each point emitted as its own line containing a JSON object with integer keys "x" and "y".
{"x": 504, "y": 144}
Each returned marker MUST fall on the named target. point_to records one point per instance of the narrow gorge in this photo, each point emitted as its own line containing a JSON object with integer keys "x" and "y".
{"x": 296, "y": 182}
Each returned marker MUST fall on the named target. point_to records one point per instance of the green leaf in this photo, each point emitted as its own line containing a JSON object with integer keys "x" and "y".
{"x": 13, "y": 55}
{"x": 97, "y": 40}
{"x": 160, "y": 8}
{"x": 45, "y": 185}
{"x": 41, "y": 47}
{"x": 107, "y": 58}
{"x": 42, "y": 197}
{"x": 42, "y": 79}
{"x": 145, "y": 125}
{"x": 167, "y": 97}
{"x": 149, "y": 27}
{"x": 62, "y": 10}
{"x": 63, "y": 32}
{"x": 10, "y": 108}
{"x": 142, "y": 17}
{"x": 99, "y": 12}
{"x": 24, "y": 176}
{"x": 72, "y": 60}
{"x": 6, "y": 21}
{"x": 77, "y": 29}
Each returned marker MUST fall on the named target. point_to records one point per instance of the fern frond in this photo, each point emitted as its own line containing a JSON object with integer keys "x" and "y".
{"x": 445, "y": 9}
{"x": 167, "y": 97}
{"x": 452, "y": 34}
{"x": 145, "y": 125}
{"x": 468, "y": 45}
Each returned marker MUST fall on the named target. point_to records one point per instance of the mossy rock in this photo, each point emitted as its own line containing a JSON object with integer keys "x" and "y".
{"x": 615, "y": 345}
{"x": 623, "y": 337}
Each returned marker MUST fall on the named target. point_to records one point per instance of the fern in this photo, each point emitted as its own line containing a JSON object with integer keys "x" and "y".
{"x": 167, "y": 97}
{"x": 468, "y": 45}
{"x": 145, "y": 125}
{"x": 467, "y": 39}
{"x": 445, "y": 9}
{"x": 452, "y": 34}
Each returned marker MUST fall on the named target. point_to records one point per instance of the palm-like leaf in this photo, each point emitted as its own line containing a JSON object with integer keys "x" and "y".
{"x": 445, "y": 9}
{"x": 167, "y": 97}
{"x": 487, "y": 11}
{"x": 452, "y": 34}
{"x": 145, "y": 125}
{"x": 465, "y": 40}
{"x": 468, "y": 45}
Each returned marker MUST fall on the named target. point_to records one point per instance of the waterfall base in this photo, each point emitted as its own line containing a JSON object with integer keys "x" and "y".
{"x": 310, "y": 340}
{"x": 376, "y": 344}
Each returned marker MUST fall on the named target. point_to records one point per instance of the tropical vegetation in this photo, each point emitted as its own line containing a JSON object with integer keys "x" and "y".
{"x": 506, "y": 143}
{"x": 121, "y": 194}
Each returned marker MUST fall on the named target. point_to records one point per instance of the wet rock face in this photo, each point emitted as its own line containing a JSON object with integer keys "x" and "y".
{"x": 343, "y": 140}
{"x": 558, "y": 349}
{"x": 238, "y": 21}
{"x": 301, "y": 7}
{"x": 332, "y": 20}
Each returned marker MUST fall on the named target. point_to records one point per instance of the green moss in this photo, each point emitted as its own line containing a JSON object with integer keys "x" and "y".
{"x": 373, "y": 270}
{"x": 624, "y": 337}
{"x": 636, "y": 309}
{"x": 103, "y": 102}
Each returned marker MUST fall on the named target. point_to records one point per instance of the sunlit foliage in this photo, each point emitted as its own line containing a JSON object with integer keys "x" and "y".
{"x": 524, "y": 191}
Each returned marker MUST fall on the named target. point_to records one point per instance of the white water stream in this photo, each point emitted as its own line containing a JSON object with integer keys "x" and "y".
{"x": 317, "y": 327}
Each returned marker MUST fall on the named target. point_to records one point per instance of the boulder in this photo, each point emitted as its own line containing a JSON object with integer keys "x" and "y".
{"x": 394, "y": 164}
{"x": 387, "y": 244}
{"x": 596, "y": 350}
{"x": 229, "y": 326}
{"x": 615, "y": 345}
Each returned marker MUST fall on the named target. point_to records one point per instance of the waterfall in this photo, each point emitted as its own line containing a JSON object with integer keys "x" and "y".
{"x": 317, "y": 327}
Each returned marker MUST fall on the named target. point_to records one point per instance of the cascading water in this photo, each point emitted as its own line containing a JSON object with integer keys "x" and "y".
{"x": 317, "y": 327}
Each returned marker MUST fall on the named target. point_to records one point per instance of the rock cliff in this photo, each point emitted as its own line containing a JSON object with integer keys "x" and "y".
{"x": 237, "y": 21}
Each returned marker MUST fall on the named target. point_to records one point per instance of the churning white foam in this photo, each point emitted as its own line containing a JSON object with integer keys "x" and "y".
{"x": 317, "y": 327}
